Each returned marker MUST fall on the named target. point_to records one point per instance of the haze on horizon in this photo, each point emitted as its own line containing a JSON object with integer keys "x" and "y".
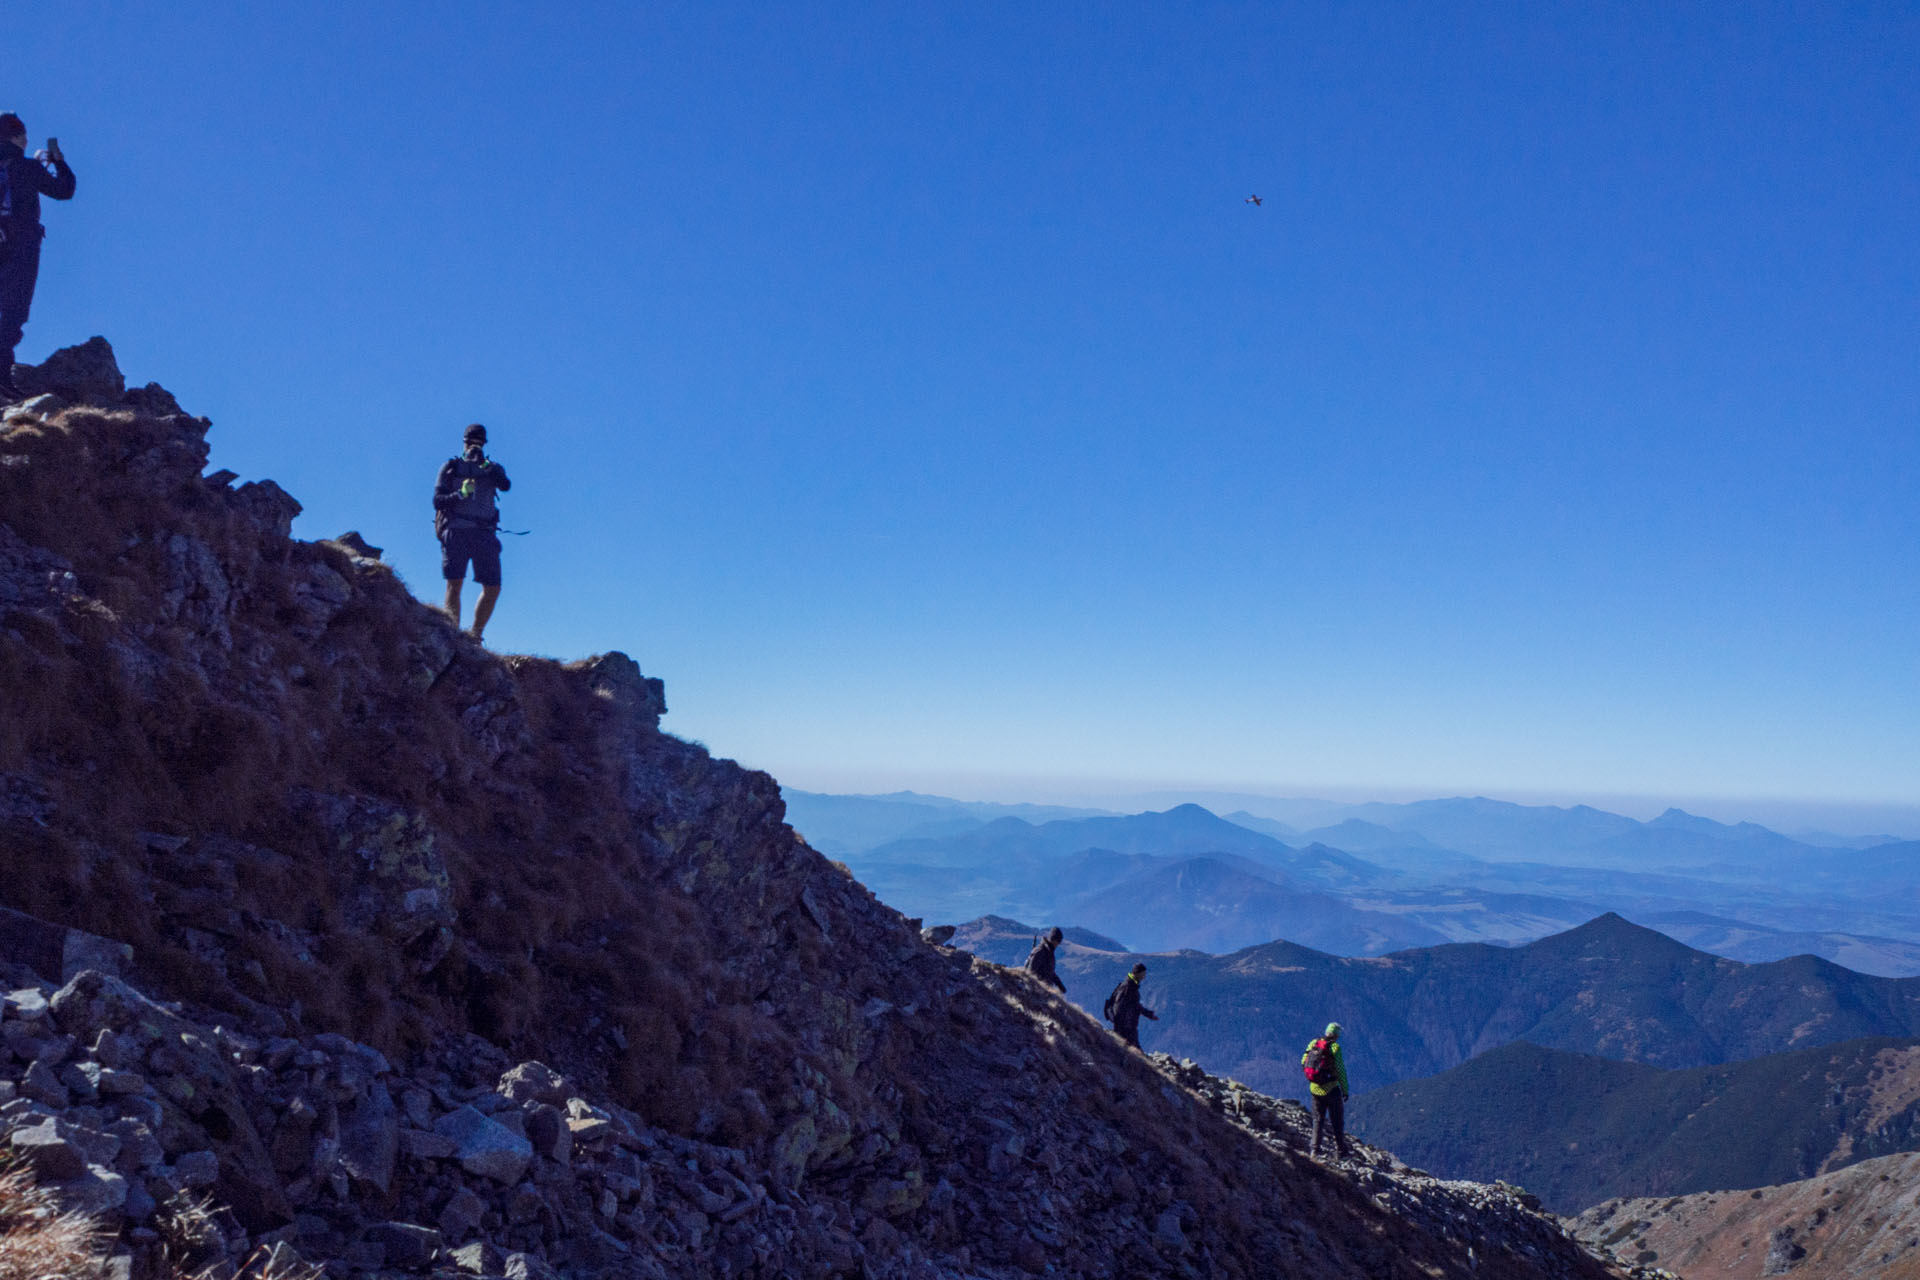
{"x": 915, "y": 393}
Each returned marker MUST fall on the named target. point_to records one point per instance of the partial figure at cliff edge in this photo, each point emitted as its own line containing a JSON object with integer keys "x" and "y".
{"x": 23, "y": 180}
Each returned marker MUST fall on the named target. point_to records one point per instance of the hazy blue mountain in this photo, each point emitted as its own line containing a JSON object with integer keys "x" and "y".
{"x": 1500, "y": 829}
{"x": 1188, "y": 829}
{"x": 1361, "y": 836}
{"x": 1576, "y": 1129}
{"x": 838, "y": 825}
{"x": 1608, "y": 988}
{"x": 1265, "y": 826}
{"x": 1206, "y": 904}
{"x": 1739, "y": 940}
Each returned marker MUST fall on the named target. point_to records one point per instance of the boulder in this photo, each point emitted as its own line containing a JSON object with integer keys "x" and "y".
{"x": 485, "y": 1147}
{"x": 97, "y": 1192}
{"x": 86, "y": 372}
{"x": 52, "y": 949}
{"x": 370, "y": 1139}
{"x": 461, "y": 1218}
{"x": 406, "y": 1244}
{"x": 535, "y": 1082}
{"x": 54, "y": 1157}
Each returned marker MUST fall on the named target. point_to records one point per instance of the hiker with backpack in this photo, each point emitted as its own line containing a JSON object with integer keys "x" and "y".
{"x": 1124, "y": 1010}
{"x": 1326, "y": 1070}
{"x": 1040, "y": 959}
{"x": 23, "y": 180}
{"x": 466, "y": 519}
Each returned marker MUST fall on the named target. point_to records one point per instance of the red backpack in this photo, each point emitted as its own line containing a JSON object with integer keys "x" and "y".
{"x": 1321, "y": 1066}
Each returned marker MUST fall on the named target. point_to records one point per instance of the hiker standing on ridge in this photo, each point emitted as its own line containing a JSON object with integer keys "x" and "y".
{"x": 1124, "y": 1010}
{"x": 1040, "y": 959}
{"x": 467, "y": 521}
{"x": 23, "y": 180}
{"x": 1326, "y": 1069}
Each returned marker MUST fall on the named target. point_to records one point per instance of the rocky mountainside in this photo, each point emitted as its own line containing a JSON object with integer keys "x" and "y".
{"x": 1623, "y": 1129}
{"x": 1862, "y": 1223}
{"x": 433, "y": 959}
{"x": 1607, "y": 988}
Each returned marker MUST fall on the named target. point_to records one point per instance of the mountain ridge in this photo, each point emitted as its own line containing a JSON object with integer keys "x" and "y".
{"x": 323, "y": 816}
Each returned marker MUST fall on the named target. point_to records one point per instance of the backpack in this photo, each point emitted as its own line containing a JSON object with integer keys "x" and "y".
{"x": 1321, "y": 1066}
{"x": 481, "y": 509}
{"x": 1106, "y": 1010}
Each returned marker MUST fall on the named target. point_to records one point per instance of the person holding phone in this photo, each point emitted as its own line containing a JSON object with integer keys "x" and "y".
{"x": 23, "y": 180}
{"x": 466, "y": 518}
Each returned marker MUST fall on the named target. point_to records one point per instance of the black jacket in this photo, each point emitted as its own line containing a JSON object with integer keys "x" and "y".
{"x": 477, "y": 511}
{"x": 1123, "y": 1006}
{"x": 1040, "y": 963}
{"x": 28, "y": 180}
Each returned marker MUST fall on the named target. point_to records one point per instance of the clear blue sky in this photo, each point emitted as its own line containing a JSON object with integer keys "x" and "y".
{"x": 911, "y": 388}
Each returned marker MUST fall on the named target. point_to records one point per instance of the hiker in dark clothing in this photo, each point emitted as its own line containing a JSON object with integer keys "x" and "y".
{"x": 1326, "y": 1069}
{"x": 23, "y": 180}
{"x": 1124, "y": 1010}
{"x": 467, "y": 519}
{"x": 1040, "y": 959}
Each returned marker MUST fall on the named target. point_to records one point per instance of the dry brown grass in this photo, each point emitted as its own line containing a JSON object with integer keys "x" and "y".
{"x": 37, "y": 1240}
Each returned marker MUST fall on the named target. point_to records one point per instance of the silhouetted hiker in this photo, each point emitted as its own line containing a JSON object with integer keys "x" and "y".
{"x": 467, "y": 520}
{"x": 1326, "y": 1070}
{"x": 1124, "y": 1010}
{"x": 1040, "y": 959}
{"x": 23, "y": 180}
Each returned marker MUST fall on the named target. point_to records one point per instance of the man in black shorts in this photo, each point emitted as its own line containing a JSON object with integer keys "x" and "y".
{"x": 467, "y": 519}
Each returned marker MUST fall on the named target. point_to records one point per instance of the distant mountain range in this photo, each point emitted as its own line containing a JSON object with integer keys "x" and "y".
{"x": 1378, "y": 878}
{"x": 1576, "y": 1129}
{"x": 1608, "y": 988}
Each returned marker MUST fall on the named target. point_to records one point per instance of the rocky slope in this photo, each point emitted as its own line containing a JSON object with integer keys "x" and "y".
{"x": 1623, "y": 1129}
{"x": 369, "y": 874}
{"x": 1862, "y": 1223}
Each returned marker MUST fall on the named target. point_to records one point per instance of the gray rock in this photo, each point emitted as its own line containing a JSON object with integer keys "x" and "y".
{"x": 42, "y": 1084}
{"x": 53, "y": 1157}
{"x": 1784, "y": 1253}
{"x": 486, "y": 1148}
{"x": 118, "y": 1084}
{"x": 370, "y": 1139}
{"x": 96, "y": 1192}
{"x": 479, "y": 1259}
{"x": 196, "y": 1169}
{"x": 547, "y": 1131}
{"x": 425, "y": 1144}
{"x": 406, "y": 1244}
{"x": 524, "y": 1266}
{"x": 535, "y": 1082}
{"x": 87, "y": 371}
{"x": 79, "y": 1082}
{"x": 462, "y": 1217}
{"x": 140, "y": 1203}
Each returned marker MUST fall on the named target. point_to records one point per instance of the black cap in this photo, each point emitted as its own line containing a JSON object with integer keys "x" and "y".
{"x": 474, "y": 432}
{"x": 1054, "y": 934}
{"x": 1139, "y": 968}
{"x": 12, "y": 126}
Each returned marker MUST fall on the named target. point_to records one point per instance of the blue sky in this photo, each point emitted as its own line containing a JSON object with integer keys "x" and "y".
{"x": 911, "y": 388}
